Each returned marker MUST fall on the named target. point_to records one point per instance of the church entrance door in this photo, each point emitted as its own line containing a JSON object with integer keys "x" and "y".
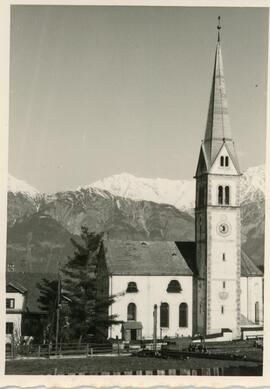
{"x": 133, "y": 334}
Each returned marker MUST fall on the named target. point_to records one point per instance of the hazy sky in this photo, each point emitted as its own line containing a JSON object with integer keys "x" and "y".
{"x": 96, "y": 91}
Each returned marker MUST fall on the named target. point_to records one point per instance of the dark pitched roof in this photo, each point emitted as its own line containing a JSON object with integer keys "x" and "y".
{"x": 145, "y": 258}
{"x": 14, "y": 285}
{"x": 188, "y": 251}
{"x": 27, "y": 282}
{"x": 248, "y": 267}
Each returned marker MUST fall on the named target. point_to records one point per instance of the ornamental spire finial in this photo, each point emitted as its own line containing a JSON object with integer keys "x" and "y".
{"x": 219, "y": 28}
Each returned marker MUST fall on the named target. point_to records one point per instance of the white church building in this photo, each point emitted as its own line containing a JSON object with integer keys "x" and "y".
{"x": 209, "y": 286}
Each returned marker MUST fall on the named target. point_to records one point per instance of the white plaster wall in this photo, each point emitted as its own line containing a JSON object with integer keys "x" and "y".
{"x": 16, "y": 319}
{"x": 219, "y": 270}
{"x": 19, "y": 299}
{"x": 151, "y": 291}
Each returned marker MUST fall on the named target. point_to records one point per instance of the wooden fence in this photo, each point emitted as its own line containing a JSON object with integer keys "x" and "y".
{"x": 64, "y": 349}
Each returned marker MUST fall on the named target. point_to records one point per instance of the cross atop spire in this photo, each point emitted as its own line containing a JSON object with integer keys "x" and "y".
{"x": 219, "y": 28}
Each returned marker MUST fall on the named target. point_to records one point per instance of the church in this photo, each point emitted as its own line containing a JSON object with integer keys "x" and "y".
{"x": 208, "y": 287}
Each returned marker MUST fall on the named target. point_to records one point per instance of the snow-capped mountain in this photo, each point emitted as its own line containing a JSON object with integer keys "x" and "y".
{"x": 253, "y": 184}
{"x": 19, "y": 186}
{"x": 179, "y": 193}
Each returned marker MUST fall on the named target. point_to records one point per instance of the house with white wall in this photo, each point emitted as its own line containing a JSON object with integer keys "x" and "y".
{"x": 24, "y": 315}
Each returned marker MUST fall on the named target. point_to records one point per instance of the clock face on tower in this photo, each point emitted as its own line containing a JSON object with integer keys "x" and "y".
{"x": 223, "y": 229}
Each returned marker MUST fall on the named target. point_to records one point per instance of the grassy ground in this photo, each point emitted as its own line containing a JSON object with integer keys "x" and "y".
{"x": 98, "y": 364}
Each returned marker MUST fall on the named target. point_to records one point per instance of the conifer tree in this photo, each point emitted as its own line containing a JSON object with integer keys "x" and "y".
{"x": 84, "y": 281}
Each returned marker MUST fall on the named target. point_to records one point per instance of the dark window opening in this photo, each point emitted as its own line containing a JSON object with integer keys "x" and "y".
{"x": 132, "y": 312}
{"x": 9, "y": 328}
{"x": 164, "y": 315}
{"x": 174, "y": 287}
{"x": 220, "y": 195}
{"x": 223, "y": 257}
{"x": 224, "y": 284}
{"x": 183, "y": 315}
{"x": 221, "y": 161}
{"x": 226, "y": 161}
{"x": 10, "y": 303}
{"x": 222, "y": 309}
{"x": 132, "y": 287}
{"x": 227, "y": 195}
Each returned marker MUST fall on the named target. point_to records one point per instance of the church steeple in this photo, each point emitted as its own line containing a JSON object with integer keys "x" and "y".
{"x": 218, "y": 128}
{"x": 217, "y": 217}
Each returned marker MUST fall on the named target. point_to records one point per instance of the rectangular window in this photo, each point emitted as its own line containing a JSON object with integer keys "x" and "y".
{"x": 222, "y": 309}
{"x": 9, "y": 328}
{"x": 10, "y": 303}
{"x": 224, "y": 284}
{"x": 223, "y": 257}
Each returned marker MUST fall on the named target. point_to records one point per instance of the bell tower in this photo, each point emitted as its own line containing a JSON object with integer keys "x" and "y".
{"x": 217, "y": 216}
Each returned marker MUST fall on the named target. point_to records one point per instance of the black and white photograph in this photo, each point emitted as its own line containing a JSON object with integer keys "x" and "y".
{"x": 136, "y": 190}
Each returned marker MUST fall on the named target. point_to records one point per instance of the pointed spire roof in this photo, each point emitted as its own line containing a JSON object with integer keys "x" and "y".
{"x": 218, "y": 128}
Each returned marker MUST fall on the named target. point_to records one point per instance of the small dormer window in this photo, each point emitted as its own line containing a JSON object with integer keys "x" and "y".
{"x": 174, "y": 287}
{"x": 132, "y": 287}
{"x": 10, "y": 303}
{"x": 227, "y": 161}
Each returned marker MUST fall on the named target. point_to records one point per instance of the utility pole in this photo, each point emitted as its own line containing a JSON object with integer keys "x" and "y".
{"x": 58, "y": 305}
{"x": 155, "y": 328}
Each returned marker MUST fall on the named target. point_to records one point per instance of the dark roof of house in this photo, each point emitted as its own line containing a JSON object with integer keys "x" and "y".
{"x": 27, "y": 283}
{"x": 145, "y": 258}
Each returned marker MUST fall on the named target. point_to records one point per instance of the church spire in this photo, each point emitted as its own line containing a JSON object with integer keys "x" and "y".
{"x": 218, "y": 128}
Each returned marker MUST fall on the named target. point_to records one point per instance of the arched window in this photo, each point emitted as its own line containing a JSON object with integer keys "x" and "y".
{"x": 226, "y": 161}
{"x": 132, "y": 287}
{"x": 164, "y": 315}
{"x": 131, "y": 311}
{"x": 257, "y": 312}
{"x": 174, "y": 287}
{"x": 183, "y": 315}
{"x": 227, "y": 195}
{"x": 222, "y": 161}
{"x": 220, "y": 194}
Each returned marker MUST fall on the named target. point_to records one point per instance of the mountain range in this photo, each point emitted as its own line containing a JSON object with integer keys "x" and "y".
{"x": 41, "y": 225}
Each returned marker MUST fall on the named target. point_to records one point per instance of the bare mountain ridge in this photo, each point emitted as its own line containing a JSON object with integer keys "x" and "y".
{"x": 121, "y": 217}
